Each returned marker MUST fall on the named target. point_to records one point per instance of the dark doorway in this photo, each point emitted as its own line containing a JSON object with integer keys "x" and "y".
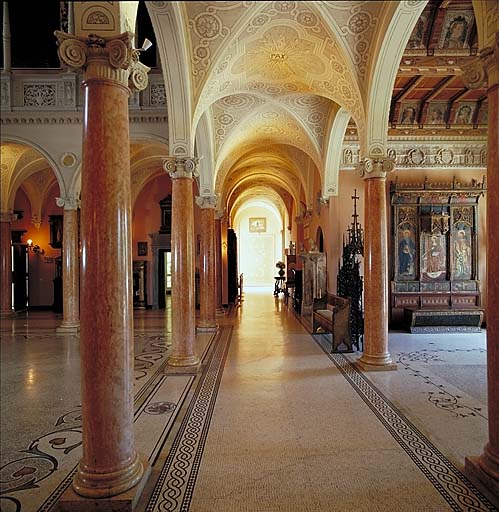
{"x": 20, "y": 276}
{"x": 164, "y": 276}
{"x": 319, "y": 239}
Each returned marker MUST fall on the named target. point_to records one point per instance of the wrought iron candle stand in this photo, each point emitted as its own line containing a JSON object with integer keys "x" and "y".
{"x": 350, "y": 282}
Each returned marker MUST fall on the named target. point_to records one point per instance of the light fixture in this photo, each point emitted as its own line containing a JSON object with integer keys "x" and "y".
{"x": 34, "y": 248}
{"x": 145, "y": 45}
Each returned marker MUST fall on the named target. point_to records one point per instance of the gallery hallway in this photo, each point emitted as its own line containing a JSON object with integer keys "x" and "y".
{"x": 273, "y": 422}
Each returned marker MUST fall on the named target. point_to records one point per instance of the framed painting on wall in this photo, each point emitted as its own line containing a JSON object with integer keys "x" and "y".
{"x": 142, "y": 248}
{"x": 257, "y": 224}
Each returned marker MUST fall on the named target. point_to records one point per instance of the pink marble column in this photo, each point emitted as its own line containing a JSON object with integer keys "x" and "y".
{"x": 183, "y": 354}
{"x": 207, "y": 281}
{"x": 70, "y": 267}
{"x": 110, "y": 464}
{"x": 485, "y": 468}
{"x": 218, "y": 264}
{"x": 5, "y": 265}
{"x": 376, "y": 355}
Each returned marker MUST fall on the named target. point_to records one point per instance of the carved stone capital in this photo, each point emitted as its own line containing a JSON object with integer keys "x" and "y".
{"x": 221, "y": 215}
{"x": 206, "y": 202}
{"x": 110, "y": 58}
{"x": 68, "y": 203}
{"x": 484, "y": 71}
{"x": 7, "y": 217}
{"x": 181, "y": 167}
{"x": 375, "y": 167}
{"x": 36, "y": 220}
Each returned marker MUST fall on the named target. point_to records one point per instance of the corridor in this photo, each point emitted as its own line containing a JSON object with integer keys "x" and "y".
{"x": 273, "y": 423}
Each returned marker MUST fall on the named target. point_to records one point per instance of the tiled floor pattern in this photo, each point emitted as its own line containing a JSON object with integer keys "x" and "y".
{"x": 272, "y": 424}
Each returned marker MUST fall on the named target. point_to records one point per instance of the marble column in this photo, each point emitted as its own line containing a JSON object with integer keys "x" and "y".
{"x": 6, "y": 264}
{"x": 110, "y": 464}
{"x": 218, "y": 264}
{"x": 207, "y": 281}
{"x": 485, "y": 468}
{"x": 70, "y": 267}
{"x": 183, "y": 355}
{"x": 7, "y": 58}
{"x": 376, "y": 355}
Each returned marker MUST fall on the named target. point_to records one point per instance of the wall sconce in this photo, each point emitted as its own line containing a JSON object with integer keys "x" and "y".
{"x": 34, "y": 248}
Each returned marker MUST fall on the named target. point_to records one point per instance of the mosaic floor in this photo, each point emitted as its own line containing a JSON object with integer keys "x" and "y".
{"x": 274, "y": 423}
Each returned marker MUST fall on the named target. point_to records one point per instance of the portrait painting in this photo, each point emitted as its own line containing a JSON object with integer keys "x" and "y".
{"x": 258, "y": 225}
{"x": 464, "y": 113}
{"x": 142, "y": 248}
{"x": 456, "y": 30}
{"x": 461, "y": 254}
{"x": 406, "y": 253}
{"x": 419, "y": 33}
{"x": 408, "y": 113}
{"x": 433, "y": 257}
{"x": 436, "y": 113}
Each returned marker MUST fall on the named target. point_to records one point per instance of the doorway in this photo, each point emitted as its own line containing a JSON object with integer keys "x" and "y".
{"x": 164, "y": 276}
{"x": 20, "y": 277}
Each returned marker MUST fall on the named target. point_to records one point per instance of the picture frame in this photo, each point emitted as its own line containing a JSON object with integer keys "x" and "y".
{"x": 257, "y": 224}
{"x": 142, "y": 248}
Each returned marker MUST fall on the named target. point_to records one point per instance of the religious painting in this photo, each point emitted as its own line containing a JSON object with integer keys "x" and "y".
{"x": 142, "y": 248}
{"x": 464, "y": 113}
{"x": 433, "y": 257}
{"x": 456, "y": 30}
{"x": 406, "y": 254}
{"x": 417, "y": 41}
{"x": 461, "y": 251}
{"x": 408, "y": 113}
{"x": 436, "y": 113}
{"x": 257, "y": 225}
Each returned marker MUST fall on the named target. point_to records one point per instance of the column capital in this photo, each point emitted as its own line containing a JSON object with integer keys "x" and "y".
{"x": 181, "y": 167}
{"x": 221, "y": 215}
{"x": 68, "y": 203}
{"x": 484, "y": 70}
{"x": 111, "y": 58}
{"x": 206, "y": 202}
{"x": 7, "y": 217}
{"x": 375, "y": 167}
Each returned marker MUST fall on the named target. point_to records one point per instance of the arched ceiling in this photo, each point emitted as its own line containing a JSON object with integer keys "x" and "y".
{"x": 19, "y": 162}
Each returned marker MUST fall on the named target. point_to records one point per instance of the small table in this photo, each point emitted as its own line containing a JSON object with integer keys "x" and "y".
{"x": 278, "y": 286}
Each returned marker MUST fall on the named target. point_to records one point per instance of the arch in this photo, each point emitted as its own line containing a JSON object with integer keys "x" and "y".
{"x": 6, "y": 137}
{"x": 319, "y": 239}
{"x": 205, "y": 152}
{"x": 389, "y": 52}
{"x": 487, "y": 21}
{"x": 333, "y": 155}
{"x": 167, "y": 21}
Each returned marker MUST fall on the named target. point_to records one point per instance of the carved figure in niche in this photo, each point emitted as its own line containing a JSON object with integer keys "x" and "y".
{"x": 408, "y": 115}
{"x": 312, "y": 245}
{"x": 433, "y": 259}
{"x": 463, "y": 115}
{"x": 347, "y": 156}
{"x": 462, "y": 256}
{"x": 457, "y": 31}
{"x": 407, "y": 251}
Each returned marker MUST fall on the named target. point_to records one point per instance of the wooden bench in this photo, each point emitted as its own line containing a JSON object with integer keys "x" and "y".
{"x": 332, "y": 315}
{"x": 443, "y": 319}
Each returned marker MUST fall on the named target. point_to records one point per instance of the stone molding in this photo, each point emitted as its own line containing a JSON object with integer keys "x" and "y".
{"x": 108, "y": 58}
{"x": 181, "y": 167}
{"x": 375, "y": 167}
{"x": 65, "y": 118}
{"x": 68, "y": 203}
{"x": 206, "y": 202}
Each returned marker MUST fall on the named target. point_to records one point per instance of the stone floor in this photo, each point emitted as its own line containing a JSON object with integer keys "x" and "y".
{"x": 274, "y": 423}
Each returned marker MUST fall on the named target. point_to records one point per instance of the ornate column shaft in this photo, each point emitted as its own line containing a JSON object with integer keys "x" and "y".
{"x": 6, "y": 264}
{"x": 110, "y": 464}
{"x": 376, "y": 355}
{"x": 485, "y": 468}
{"x": 70, "y": 266}
{"x": 7, "y": 58}
{"x": 181, "y": 171}
{"x": 207, "y": 281}
{"x": 218, "y": 263}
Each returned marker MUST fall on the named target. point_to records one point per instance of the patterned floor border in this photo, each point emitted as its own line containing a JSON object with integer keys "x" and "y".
{"x": 449, "y": 481}
{"x": 175, "y": 485}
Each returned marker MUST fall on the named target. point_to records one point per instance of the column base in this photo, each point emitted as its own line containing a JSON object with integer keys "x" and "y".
{"x": 182, "y": 364}
{"x": 7, "y": 313}
{"x": 207, "y": 328}
{"x": 183, "y": 370}
{"x": 490, "y": 485}
{"x": 125, "y": 502}
{"x": 369, "y": 363}
{"x": 68, "y": 328}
